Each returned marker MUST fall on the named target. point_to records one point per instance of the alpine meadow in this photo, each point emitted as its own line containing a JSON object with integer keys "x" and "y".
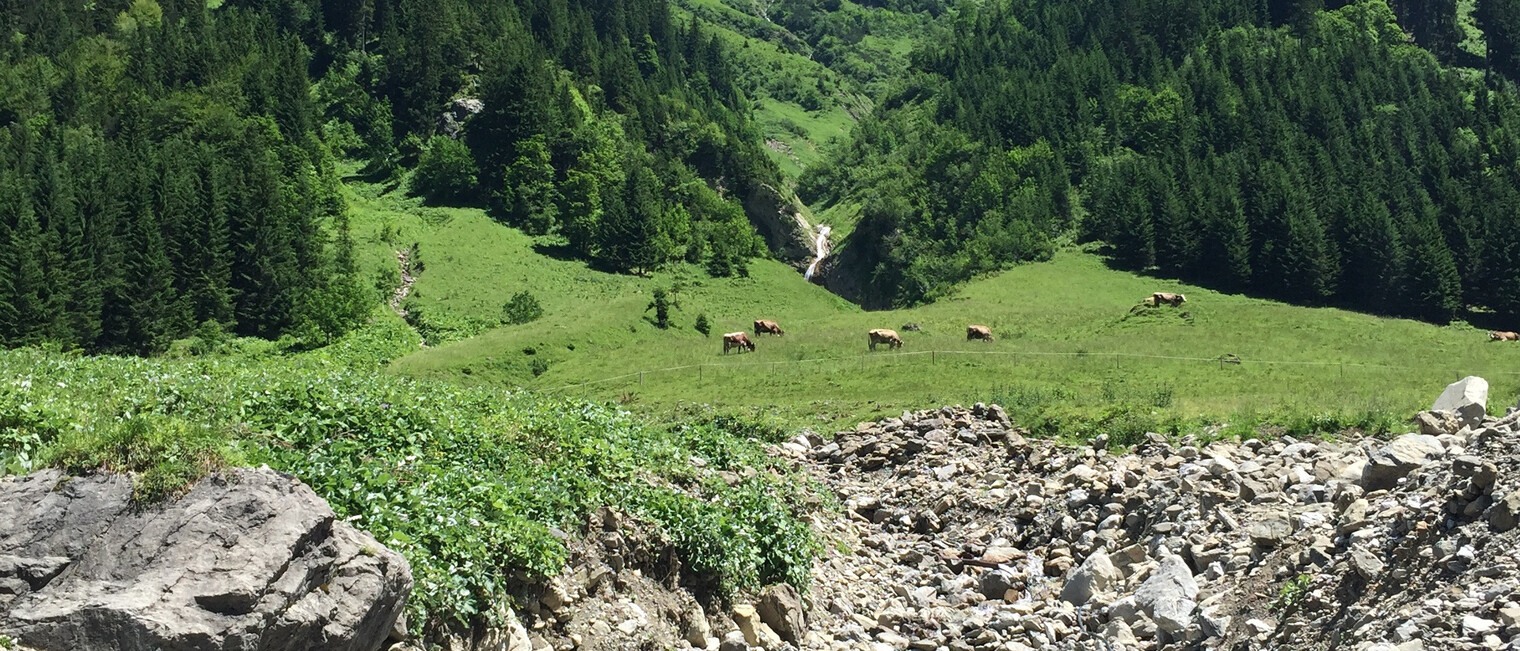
{"x": 759, "y": 324}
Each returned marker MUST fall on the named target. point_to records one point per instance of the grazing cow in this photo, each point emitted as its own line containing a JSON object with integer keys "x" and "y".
{"x": 737, "y": 340}
{"x": 978, "y": 332}
{"x": 1175, "y": 300}
{"x": 764, "y": 327}
{"x": 888, "y": 337}
{"x": 1501, "y": 335}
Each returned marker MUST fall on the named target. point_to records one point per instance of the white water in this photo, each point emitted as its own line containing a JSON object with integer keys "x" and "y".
{"x": 820, "y": 249}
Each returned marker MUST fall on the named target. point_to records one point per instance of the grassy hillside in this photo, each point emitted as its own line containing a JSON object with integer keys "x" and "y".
{"x": 1069, "y": 353}
{"x": 799, "y": 103}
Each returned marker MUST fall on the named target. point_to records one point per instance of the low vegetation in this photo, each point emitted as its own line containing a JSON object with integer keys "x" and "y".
{"x": 470, "y": 484}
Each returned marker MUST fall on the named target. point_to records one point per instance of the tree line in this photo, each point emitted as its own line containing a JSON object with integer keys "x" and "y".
{"x": 169, "y": 169}
{"x": 606, "y": 122}
{"x": 1310, "y": 154}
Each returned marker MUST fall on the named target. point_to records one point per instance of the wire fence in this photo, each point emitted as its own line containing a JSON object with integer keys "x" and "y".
{"x": 1223, "y": 361}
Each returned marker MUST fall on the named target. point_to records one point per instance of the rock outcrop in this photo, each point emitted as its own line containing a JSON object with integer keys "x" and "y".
{"x": 249, "y": 559}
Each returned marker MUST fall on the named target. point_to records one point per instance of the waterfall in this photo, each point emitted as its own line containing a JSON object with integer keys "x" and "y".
{"x": 820, "y": 249}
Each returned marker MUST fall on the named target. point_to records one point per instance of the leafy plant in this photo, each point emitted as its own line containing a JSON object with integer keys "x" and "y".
{"x": 522, "y": 308}
{"x": 702, "y": 325}
{"x": 1291, "y": 594}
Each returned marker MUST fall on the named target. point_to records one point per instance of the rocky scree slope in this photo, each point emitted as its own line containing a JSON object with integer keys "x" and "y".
{"x": 963, "y": 535}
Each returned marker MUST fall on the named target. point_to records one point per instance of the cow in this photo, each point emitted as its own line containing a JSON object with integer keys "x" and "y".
{"x": 765, "y": 327}
{"x": 737, "y": 340}
{"x": 1502, "y": 335}
{"x": 983, "y": 333}
{"x": 1175, "y": 300}
{"x": 888, "y": 337}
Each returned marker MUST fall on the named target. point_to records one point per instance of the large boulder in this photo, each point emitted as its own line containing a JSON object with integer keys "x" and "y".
{"x": 1467, "y": 398}
{"x": 1093, "y": 577}
{"x": 1168, "y": 595}
{"x": 1399, "y": 458}
{"x": 781, "y": 608}
{"x": 247, "y": 560}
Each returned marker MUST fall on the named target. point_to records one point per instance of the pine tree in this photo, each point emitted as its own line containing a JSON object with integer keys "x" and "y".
{"x": 528, "y": 192}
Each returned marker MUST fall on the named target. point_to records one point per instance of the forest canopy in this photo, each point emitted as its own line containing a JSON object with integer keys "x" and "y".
{"x": 166, "y": 168}
{"x": 1317, "y": 156}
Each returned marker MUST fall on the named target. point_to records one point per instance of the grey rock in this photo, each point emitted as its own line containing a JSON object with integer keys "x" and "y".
{"x": 1467, "y": 398}
{"x": 996, "y": 583}
{"x": 1367, "y": 565}
{"x": 1400, "y": 457}
{"x": 1097, "y": 574}
{"x": 781, "y": 608}
{"x": 1505, "y": 513}
{"x": 248, "y": 560}
{"x": 1270, "y": 532}
{"x": 1480, "y": 471}
{"x": 734, "y": 641}
{"x": 1168, "y": 595}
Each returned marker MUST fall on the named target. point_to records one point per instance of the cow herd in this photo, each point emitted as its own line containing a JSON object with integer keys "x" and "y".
{"x": 881, "y": 336}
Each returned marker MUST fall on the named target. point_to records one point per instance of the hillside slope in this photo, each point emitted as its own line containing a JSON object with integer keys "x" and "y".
{"x": 1069, "y": 348}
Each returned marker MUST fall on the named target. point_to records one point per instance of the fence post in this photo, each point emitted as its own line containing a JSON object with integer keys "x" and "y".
{"x": 933, "y": 357}
{"x": 641, "y": 378}
{"x": 699, "y": 372}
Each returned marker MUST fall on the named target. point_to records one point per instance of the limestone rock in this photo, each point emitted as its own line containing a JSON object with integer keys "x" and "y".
{"x": 248, "y": 559}
{"x": 1096, "y": 574}
{"x": 1400, "y": 457}
{"x": 1167, "y": 596}
{"x": 1467, "y": 398}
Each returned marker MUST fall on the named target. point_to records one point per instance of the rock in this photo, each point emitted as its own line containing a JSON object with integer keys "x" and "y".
{"x": 247, "y": 559}
{"x": 734, "y": 641}
{"x": 781, "y": 609}
{"x": 1473, "y": 625}
{"x": 1096, "y": 574}
{"x": 1467, "y": 398}
{"x": 1480, "y": 471}
{"x": 1367, "y": 565}
{"x": 1400, "y": 457}
{"x": 1167, "y": 596}
{"x": 996, "y": 584}
{"x": 1436, "y": 423}
{"x": 1270, "y": 532}
{"x": 1505, "y": 513}
{"x": 694, "y": 626}
{"x": 1509, "y": 615}
{"x": 749, "y": 622}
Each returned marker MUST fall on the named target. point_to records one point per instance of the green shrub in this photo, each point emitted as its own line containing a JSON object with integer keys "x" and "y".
{"x": 702, "y": 325}
{"x": 522, "y": 308}
{"x": 446, "y": 172}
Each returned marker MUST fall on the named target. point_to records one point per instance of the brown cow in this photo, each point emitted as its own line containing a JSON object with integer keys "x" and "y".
{"x": 978, "y": 332}
{"x": 1502, "y": 335}
{"x": 737, "y": 340}
{"x": 1175, "y": 300}
{"x": 765, "y": 327}
{"x": 888, "y": 337}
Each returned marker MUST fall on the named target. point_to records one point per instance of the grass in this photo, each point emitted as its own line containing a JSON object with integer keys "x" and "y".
{"x": 469, "y": 484}
{"x": 1069, "y": 355}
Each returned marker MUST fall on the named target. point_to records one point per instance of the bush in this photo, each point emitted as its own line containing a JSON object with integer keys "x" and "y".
{"x": 702, "y": 325}
{"x": 446, "y": 173}
{"x": 538, "y": 366}
{"x": 521, "y": 308}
